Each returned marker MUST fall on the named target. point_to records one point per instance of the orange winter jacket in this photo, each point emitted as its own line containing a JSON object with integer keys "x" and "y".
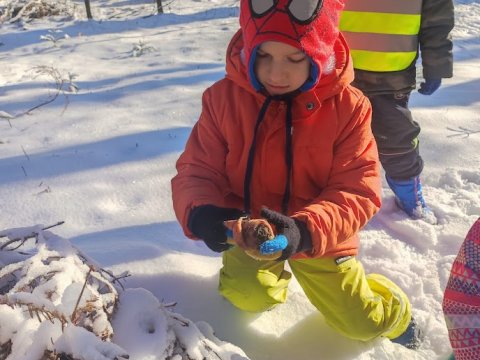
{"x": 335, "y": 179}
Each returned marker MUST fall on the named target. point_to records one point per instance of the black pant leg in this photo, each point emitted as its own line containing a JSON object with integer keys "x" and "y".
{"x": 396, "y": 134}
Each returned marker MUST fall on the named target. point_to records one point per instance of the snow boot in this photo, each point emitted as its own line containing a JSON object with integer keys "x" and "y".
{"x": 412, "y": 338}
{"x": 409, "y": 198}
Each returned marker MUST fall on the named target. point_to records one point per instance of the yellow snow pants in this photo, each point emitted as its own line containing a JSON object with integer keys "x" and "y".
{"x": 358, "y": 306}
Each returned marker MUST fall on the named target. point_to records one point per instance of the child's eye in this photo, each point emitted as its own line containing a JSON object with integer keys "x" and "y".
{"x": 297, "y": 60}
{"x": 261, "y": 54}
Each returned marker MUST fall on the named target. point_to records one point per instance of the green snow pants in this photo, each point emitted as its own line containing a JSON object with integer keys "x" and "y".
{"x": 358, "y": 306}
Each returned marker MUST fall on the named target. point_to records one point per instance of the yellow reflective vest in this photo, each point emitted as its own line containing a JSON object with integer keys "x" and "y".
{"x": 382, "y": 34}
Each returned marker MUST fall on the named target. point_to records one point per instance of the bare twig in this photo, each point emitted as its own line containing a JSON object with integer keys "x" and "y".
{"x": 113, "y": 278}
{"x": 60, "y": 84}
{"x": 23, "y": 241}
{"x": 25, "y": 153}
{"x": 172, "y": 304}
{"x": 463, "y": 132}
{"x": 210, "y": 350}
{"x": 46, "y": 190}
{"x": 181, "y": 321}
{"x": 73, "y": 316}
{"x": 51, "y": 226}
{"x": 25, "y": 238}
{"x": 6, "y": 116}
{"x": 117, "y": 278}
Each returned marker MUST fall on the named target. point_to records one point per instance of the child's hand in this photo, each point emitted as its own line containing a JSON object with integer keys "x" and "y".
{"x": 295, "y": 232}
{"x": 206, "y": 223}
{"x": 429, "y": 86}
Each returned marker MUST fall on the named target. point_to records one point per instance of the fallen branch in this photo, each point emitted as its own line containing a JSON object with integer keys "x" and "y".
{"x": 25, "y": 238}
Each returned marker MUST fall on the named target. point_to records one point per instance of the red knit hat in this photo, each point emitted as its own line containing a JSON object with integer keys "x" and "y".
{"x": 309, "y": 25}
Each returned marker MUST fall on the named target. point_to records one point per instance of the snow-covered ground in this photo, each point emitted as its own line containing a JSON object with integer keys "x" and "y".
{"x": 100, "y": 157}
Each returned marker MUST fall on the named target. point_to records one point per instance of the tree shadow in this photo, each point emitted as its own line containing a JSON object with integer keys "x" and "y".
{"x": 139, "y": 243}
{"x": 110, "y": 89}
{"x": 95, "y": 155}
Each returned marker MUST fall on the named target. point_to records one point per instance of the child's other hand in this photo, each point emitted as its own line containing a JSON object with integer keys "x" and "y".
{"x": 295, "y": 231}
{"x": 206, "y": 223}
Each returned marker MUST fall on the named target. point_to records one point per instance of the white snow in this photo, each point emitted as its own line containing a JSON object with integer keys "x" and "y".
{"x": 101, "y": 155}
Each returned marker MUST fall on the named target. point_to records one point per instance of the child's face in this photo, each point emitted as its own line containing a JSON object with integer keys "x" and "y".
{"x": 281, "y": 68}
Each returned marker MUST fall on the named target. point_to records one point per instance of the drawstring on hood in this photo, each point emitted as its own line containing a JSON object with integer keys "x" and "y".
{"x": 288, "y": 155}
{"x": 288, "y": 152}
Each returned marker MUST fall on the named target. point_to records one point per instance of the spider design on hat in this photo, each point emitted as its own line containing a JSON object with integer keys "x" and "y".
{"x": 309, "y": 25}
{"x": 295, "y": 16}
{"x": 300, "y": 11}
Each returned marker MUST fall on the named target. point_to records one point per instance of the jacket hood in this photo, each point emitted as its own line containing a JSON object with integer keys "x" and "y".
{"x": 309, "y": 25}
{"x": 326, "y": 86}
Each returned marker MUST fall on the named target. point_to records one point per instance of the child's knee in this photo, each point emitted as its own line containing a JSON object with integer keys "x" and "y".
{"x": 253, "y": 301}
{"x": 384, "y": 311}
{"x": 388, "y": 318}
{"x": 257, "y": 294}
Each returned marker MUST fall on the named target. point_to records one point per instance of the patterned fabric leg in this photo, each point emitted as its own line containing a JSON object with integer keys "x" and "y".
{"x": 461, "y": 302}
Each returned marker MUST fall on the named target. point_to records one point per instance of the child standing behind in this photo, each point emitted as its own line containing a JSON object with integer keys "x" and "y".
{"x": 386, "y": 38}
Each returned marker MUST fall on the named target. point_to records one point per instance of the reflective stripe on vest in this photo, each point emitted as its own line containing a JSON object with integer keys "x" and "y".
{"x": 382, "y": 35}
{"x": 413, "y": 7}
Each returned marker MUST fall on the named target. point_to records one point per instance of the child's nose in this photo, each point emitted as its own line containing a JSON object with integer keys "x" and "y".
{"x": 277, "y": 72}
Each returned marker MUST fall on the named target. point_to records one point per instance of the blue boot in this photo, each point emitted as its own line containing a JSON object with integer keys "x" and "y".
{"x": 409, "y": 198}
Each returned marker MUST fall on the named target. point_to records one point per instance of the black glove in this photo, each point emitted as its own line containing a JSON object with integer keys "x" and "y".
{"x": 296, "y": 232}
{"x": 206, "y": 223}
{"x": 429, "y": 86}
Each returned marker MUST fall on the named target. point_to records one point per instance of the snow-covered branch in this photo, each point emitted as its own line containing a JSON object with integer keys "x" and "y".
{"x": 56, "y": 303}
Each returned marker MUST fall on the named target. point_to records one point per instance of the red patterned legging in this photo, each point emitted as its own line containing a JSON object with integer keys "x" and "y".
{"x": 461, "y": 302}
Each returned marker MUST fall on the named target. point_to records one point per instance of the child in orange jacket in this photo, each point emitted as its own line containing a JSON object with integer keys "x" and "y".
{"x": 285, "y": 138}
